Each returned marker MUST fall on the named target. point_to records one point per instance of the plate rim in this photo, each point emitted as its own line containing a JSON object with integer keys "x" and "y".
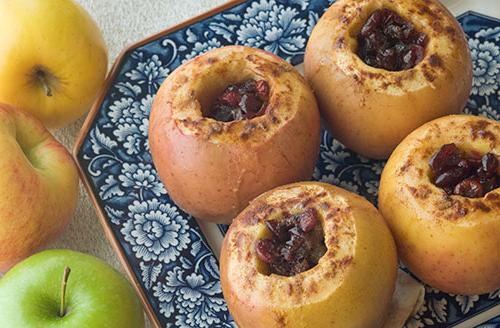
{"x": 84, "y": 131}
{"x": 90, "y": 119}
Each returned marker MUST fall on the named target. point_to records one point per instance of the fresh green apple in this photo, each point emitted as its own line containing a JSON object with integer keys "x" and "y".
{"x": 53, "y": 59}
{"x": 38, "y": 186}
{"x": 39, "y": 293}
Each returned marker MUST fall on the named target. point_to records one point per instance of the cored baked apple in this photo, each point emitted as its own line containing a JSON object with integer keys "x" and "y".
{"x": 440, "y": 195}
{"x": 229, "y": 125}
{"x": 308, "y": 255}
{"x": 382, "y": 68}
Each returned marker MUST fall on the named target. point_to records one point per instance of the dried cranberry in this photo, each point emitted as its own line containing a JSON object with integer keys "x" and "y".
{"x": 240, "y": 101}
{"x": 447, "y": 156}
{"x": 450, "y": 178}
{"x": 489, "y": 165}
{"x": 469, "y": 177}
{"x": 388, "y": 41}
{"x": 277, "y": 229}
{"x": 308, "y": 221}
{"x": 264, "y": 249}
{"x": 470, "y": 187}
{"x": 296, "y": 244}
{"x": 414, "y": 54}
{"x": 491, "y": 184}
{"x": 230, "y": 97}
{"x": 251, "y": 105}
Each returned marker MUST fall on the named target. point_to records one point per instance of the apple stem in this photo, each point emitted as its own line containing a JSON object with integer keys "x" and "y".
{"x": 42, "y": 77}
{"x": 62, "y": 309}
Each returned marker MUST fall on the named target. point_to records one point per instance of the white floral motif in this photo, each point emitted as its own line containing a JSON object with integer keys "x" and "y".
{"x": 273, "y": 27}
{"x": 141, "y": 177}
{"x": 156, "y": 231}
{"x": 486, "y": 63}
{"x": 201, "y": 47}
{"x": 495, "y": 294}
{"x": 131, "y": 119}
{"x": 419, "y": 320}
{"x": 193, "y": 297}
{"x": 150, "y": 72}
{"x": 466, "y": 302}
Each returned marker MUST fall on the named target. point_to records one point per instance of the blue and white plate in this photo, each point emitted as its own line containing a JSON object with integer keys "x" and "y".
{"x": 163, "y": 248}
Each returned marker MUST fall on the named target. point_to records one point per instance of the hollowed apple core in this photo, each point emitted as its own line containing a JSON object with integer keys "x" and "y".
{"x": 240, "y": 101}
{"x": 294, "y": 244}
{"x": 390, "y": 42}
{"x": 467, "y": 175}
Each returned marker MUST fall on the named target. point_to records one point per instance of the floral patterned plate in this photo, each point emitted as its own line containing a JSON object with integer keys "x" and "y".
{"x": 163, "y": 249}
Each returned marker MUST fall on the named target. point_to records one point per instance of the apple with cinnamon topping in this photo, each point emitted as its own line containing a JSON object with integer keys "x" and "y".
{"x": 440, "y": 194}
{"x": 229, "y": 125}
{"x": 308, "y": 255}
{"x": 382, "y": 68}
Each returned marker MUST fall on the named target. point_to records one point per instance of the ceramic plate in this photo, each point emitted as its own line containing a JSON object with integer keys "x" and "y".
{"x": 164, "y": 250}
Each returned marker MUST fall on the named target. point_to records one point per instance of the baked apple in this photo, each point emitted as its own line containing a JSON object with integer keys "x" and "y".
{"x": 382, "y": 68}
{"x": 440, "y": 195}
{"x": 308, "y": 255}
{"x": 229, "y": 125}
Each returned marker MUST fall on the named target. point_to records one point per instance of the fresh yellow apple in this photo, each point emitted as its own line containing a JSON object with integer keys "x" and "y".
{"x": 38, "y": 186}
{"x": 53, "y": 59}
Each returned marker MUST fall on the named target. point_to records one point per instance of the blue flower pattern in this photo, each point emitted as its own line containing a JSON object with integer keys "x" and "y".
{"x": 164, "y": 246}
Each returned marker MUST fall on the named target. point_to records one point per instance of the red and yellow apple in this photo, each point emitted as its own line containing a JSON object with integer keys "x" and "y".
{"x": 53, "y": 59}
{"x": 38, "y": 186}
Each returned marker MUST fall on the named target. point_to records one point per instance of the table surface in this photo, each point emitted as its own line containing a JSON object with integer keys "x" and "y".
{"x": 122, "y": 23}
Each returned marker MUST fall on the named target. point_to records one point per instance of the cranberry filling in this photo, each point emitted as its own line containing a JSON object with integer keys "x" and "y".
{"x": 390, "y": 42}
{"x": 296, "y": 244}
{"x": 241, "y": 101}
{"x": 465, "y": 176}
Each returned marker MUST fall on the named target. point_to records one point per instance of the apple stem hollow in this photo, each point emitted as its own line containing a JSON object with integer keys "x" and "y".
{"x": 42, "y": 78}
{"x": 62, "y": 309}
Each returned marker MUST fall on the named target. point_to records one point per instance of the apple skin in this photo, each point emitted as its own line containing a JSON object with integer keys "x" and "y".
{"x": 38, "y": 186}
{"x": 96, "y": 294}
{"x": 59, "y": 39}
